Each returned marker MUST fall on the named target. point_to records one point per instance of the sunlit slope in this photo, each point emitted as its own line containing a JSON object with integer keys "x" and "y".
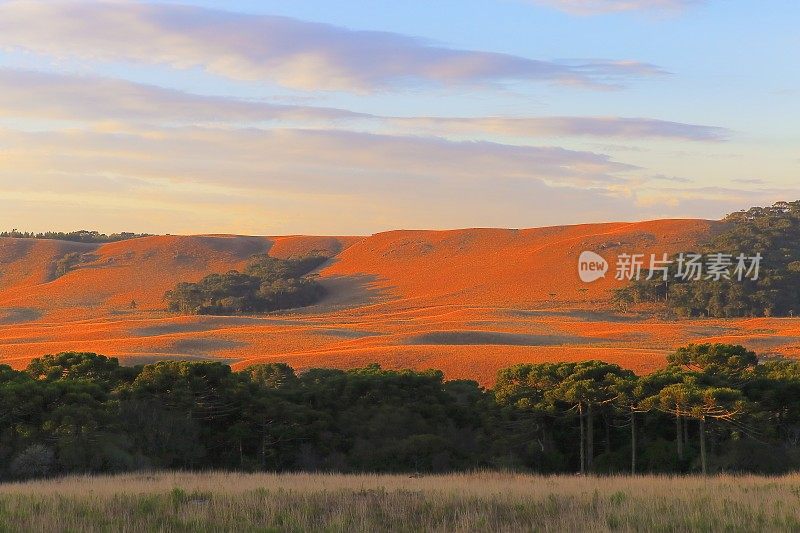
{"x": 113, "y": 276}
{"x": 504, "y": 266}
{"x": 465, "y": 301}
{"x": 28, "y": 262}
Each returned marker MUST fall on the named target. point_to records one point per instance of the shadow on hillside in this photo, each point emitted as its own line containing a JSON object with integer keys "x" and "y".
{"x": 183, "y": 349}
{"x": 343, "y": 292}
{"x": 201, "y": 346}
{"x": 202, "y": 323}
{"x": 498, "y": 338}
{"x": 582, "y": 315}
{"x": 18, "y": 315}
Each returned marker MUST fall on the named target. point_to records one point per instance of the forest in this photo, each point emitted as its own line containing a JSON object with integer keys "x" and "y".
{"x": 267, "y": 284}
{"x": 713, "y": 408}
{"x": 87, "y": 236}
{"x": 773, "y": 232}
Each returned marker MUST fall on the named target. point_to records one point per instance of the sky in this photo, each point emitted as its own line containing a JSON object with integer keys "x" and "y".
{"x": 354, "y": 117}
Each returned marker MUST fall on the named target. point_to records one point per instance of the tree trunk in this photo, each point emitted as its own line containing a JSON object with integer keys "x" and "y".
{"x": 679, "y": 436}
{"x": 547, "y": 438}
{"x": 685, "y": 432}
{"x": 263, "y": 447}
{"x": 703, "y": 463}
{"x": 607, "y": 420}
{"x": 589, "y": 438}
{"x": 633, "y": 442}
{"x": 583, "y": 439}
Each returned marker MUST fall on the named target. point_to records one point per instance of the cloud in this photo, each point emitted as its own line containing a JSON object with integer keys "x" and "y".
{"x": 291, "y": 52}
{"x": 91, "y": 98}
{"x": 632, "y": 128}
{"x": 272, "y": 181}
{"x": 49, "y": 96}
{"x": 718, "y": 201}
{"x": 293, "y": 159}
{"x": 308, "y": 181}
{"x": 673, "y": 179}
{"x": 591, "y": 7}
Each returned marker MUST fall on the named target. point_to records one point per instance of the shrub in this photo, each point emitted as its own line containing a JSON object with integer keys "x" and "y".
{"x": 34, "y": 461}
{"x": 267, "y": 284}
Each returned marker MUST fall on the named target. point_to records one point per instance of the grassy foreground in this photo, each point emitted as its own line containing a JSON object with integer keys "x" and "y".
{"x": 466, "y": 502}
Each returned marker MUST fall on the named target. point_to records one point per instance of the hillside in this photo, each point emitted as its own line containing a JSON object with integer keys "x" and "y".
{"x": 504, "y": 267}
{"x": 467, "y": 301}
{"x": 110, "y": 276}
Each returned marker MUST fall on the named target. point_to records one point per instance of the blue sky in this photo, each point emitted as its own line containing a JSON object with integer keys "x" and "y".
{"x": 348, "y": 117}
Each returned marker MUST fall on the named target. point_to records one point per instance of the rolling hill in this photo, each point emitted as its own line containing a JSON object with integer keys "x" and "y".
{"x": 466, "y": 301}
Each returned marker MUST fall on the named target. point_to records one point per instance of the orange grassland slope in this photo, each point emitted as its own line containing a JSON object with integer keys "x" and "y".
{"x": 465, "y": 301}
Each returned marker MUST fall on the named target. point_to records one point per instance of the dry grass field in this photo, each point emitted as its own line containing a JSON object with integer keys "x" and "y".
{"x": 461, "y": 502}
{"x": 466, "y": 301}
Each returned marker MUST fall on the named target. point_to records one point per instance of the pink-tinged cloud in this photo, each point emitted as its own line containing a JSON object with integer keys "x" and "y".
{"x": 590, "y": 7}
{"x": 45, "y": 95}
{"x": 296, "y": 180}
{"x": 622, "y": 127}
{"x": 49, "y": 96}
{"x": 292, "y": 159}
{"x": 323, "y": 182}
{"x": 293, "y": 53}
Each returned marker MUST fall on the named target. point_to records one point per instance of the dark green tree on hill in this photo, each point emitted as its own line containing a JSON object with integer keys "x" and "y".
{"x": 773, "y": 232}
{"x": 267, "y": 284}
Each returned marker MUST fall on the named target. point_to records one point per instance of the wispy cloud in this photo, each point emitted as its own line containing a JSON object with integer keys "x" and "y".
{"x": 693, "y": 199}
{"x": 632, "y": 128}
{"x": 293, "y": 53}
{"x": 193, "y": 179}
{"x": 52, "y": 96}
{"x": 45, "y": 95}
{"x": 295, "y": 159}
{"x": 590, "y": 7}
{"x": 325, "y": 182}
{"x": 308, "y": 180}
{"x": 673, "y": 179}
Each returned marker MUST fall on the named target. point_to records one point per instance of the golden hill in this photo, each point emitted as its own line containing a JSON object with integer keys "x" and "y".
{"x": 466, "y": 301}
